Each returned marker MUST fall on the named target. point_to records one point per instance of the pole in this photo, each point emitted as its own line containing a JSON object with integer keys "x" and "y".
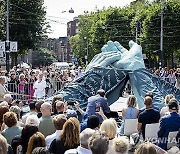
{"x": 87, "y": 53}
{"x": 161, "y": 35}
{"x": 136, "y": 31}
{"x": 7, "y": 36}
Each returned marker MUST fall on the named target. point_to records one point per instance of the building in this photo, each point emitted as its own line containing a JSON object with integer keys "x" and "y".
{"x": 58, "y": 46}
{"x": 72, "y": 29}
{"x": 61, "y": 46}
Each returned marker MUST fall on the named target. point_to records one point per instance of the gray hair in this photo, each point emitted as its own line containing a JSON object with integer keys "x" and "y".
{"x": 84, "y": 137}
{"x": 16, "y": 110}
{"x": 2, "y": 77}
{"x": 7, "y": 97}
{"x": 121, "y": 145}
{"x": 32, "y": 120}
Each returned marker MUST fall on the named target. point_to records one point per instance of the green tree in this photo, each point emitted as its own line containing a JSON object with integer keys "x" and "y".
{"x": 27, "y": 24}
{"x": 149, "y": 17}
{"x": 99, "y": 27}
{"x": 43, "y": 56}
{"x": 120, "y": 24}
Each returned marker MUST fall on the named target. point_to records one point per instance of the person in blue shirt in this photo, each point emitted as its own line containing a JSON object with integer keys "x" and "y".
{"x": 96, "y": 102}
{"x": 130, "y": 112}
{"x": 169, "y": 123}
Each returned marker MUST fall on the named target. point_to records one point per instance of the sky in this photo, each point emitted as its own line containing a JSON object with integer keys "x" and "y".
{"x": 58, "y": 16}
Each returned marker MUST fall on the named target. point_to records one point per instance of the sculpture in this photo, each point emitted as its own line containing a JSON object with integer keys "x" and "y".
{"x": 111, "y": 70}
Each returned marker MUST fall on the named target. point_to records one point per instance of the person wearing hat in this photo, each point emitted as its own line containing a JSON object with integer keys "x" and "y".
{"x": 169, "y": 123}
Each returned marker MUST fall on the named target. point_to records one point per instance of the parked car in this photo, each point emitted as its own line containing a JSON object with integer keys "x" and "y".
{"x": 60, "y": 65}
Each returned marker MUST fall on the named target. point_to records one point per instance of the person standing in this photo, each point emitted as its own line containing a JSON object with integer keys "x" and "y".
{"x": 96, "y": 102}
{"x": 39, "y": 87}
{"x": 3, "y": 89}
{"x": 177, "y": 74}
{"x": 46, "y": 126}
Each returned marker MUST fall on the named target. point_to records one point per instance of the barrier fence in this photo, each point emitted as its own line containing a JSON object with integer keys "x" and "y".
{"x": 25, "y": 92}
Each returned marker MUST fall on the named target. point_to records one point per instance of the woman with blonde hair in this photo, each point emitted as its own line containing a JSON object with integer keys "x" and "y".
{"x": 146, "y": 148}
{"x": 109, "y": 126}
{"x": 121, "y": 145}
{"x": 37, "y": 140}
{"x": 69, "y": 138}
{"x": 165, "y": 110}
{"x": 130, "y": 112}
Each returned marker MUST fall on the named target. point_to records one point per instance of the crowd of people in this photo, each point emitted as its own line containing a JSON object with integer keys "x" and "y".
{"x": 170, "y": 75}
{"x": 64, "y": 128}
{"x": 28, "y": 83}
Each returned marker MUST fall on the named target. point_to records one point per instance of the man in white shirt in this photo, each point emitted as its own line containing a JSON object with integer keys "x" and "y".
{"x": 3, "y": 88}
{"x": 83, "y": 148}
{"x": 32, "y": 107}
{"x": 58, "y": 122}
{"x": 39, "y": 87}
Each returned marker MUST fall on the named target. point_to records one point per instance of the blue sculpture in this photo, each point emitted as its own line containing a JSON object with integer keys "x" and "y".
{"x": 113, "y": 53}
{"x": 111, "y": 69}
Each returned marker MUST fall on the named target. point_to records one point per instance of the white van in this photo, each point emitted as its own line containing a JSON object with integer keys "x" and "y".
{"x": 60, "y": 65}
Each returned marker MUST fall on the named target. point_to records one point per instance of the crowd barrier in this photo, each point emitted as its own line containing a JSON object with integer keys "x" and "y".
{"x": 25, "y": 92}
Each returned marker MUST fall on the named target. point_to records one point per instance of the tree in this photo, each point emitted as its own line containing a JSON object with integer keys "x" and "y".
{"x": 150, "y": 17}
{"x": 2, "y": 21}
{"x": 27, "y": 24}
{"x": 120, "y": 24}
{"x": 43, "y": 56}
{"x": 99, "y": 27}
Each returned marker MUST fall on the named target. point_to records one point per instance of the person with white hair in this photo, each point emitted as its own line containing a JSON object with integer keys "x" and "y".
{"x": 39, "y": 87}
{"x": 8, "y": 98}
{"x": 3, "y": 88}
{"x": 120, "y": 145}
{"x": 46, "y": 126}
{"x": 32, "y": 120}
{"x": 84, "y": 138}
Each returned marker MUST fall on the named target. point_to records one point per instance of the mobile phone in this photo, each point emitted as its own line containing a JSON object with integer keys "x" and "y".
{"x": 97, "y": 108}
{"x": 70, "y": 102}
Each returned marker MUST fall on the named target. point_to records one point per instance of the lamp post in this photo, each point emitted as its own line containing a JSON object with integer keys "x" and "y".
{"x": 161, "y": 35}
{"x": 7, "y": 36}
{"x": 86, "y": 57}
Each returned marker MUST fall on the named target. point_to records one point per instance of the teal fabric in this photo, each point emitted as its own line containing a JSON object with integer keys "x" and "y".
{"x": 111, "y": 70}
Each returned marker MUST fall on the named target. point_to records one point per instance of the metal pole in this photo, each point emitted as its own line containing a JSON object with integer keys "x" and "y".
{"x": 7, "y": 36}
{"x": 87, "y": 53}
{"x": 161, "y": 35}
{"x": 136, "y": 31}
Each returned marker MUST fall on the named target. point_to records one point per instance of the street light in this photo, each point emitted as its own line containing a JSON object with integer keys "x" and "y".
{"x": 7, "y": 36}
{"x": 70, "y": 11}
{"x": 86, "y": 57}
{"x": 161, "y": 34}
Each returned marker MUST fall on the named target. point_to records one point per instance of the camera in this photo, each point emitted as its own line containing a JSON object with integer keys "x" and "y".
{"x": 97, "y": 108}
{"x": 71, "y": 102}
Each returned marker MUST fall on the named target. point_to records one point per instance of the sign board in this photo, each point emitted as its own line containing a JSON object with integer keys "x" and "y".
{"x": 74, "y": 59}
{"x": 2, "y": 48}
{"x": 13, "y": 47}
